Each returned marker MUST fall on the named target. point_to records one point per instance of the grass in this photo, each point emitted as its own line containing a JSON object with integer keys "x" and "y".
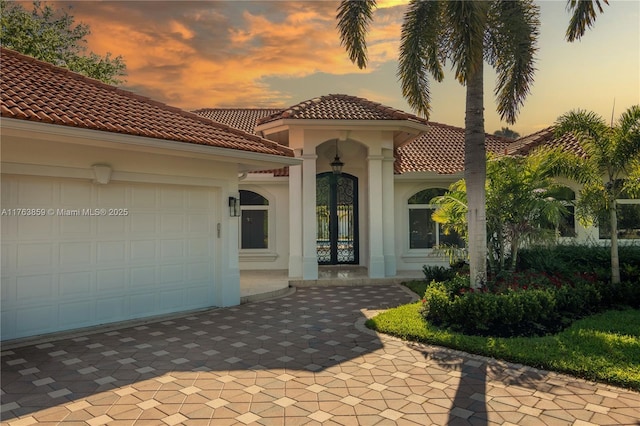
{"x": 603, "y": 347}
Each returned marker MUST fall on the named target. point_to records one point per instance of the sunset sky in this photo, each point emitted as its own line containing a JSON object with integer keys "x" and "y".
{"x": 277, "y": 53}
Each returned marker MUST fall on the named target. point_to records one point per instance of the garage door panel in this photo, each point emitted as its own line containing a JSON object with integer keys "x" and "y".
{"x": 172, "y": 198}
{"x": 76, "y": 254}
{"x": 111, "y": 280}
{"x": 36, "y": 288}
{"x": 75, "y": 194}
{"x": 35, "y": 228}
{"x": 143, "y": 304}
{"x": 35, "y": 255}
{"x": 75, "y": 226}
{"x": 76, "y": 314}
{"x": 170, "y": 300}
{"x": 143, "y": 223}
{"x": 109, "y": 225}
{"x": 76, "y": 285}
{"x": 112, "y": 196}
{"x": 143, "y": 277}
{"x": 35, "y": 193}
{"x": 109, "y": 309}
{"x": 172, "y": 249}
{"x": 32, "y": 320}
{"x": 111, "y": 252}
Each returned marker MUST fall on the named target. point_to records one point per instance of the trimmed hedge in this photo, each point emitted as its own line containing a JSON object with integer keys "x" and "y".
{"x": 553, "y": 286}
{"x": 524, "y": 305}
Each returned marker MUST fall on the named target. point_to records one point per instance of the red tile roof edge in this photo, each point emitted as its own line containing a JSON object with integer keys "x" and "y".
{"x": 130, "y": 94}
{"x": 301, "y": 106}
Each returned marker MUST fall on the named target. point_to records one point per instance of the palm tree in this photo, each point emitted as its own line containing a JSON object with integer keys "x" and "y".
{"x": 521, "y": 209}
{"x": 611, "y": 168}
{"x": 466, "y": 33}
{"x": 583, "y": 17}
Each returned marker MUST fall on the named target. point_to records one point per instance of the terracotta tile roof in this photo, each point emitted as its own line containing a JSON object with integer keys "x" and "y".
{"x": 440, "y": 150}
{"x": 37, "y": 91}
{"x": 526, "y": 144}
{"x": 239, "y": 118}
{"x": 340, "y": 107}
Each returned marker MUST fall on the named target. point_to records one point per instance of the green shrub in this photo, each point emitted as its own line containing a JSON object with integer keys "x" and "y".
{"x": 569, "y": 259}
{"x": 514, "y": 313}
{"x": 437, "y": 273}
{"x": 518, "y": 305}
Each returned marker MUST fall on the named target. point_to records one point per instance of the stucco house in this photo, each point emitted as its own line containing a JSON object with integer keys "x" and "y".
{"x": 117, "y": 207}
{"x": 113, "y": 206}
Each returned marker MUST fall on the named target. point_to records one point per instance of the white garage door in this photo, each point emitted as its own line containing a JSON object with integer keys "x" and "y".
{"x": 97, "y": 254}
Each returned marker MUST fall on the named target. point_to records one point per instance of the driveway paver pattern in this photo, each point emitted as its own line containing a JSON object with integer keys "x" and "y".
{"x": 301, "y": 359}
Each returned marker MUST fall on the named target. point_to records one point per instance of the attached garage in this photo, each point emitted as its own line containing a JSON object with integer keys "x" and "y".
{"x": 92, "y": 254}
{"x": 114, "y": 207}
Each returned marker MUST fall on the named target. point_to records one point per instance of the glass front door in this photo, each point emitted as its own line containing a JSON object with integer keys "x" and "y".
{"x": 337, "y": 219}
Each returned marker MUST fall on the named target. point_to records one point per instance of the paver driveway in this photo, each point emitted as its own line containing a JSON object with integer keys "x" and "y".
{"x": 301, "y": 359}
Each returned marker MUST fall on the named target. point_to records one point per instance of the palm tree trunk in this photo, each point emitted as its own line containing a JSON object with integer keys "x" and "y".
{"x": 615, "y": 260}
{"x": 475, "y": 171}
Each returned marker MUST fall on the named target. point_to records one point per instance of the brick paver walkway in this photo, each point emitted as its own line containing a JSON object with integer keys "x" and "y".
{"x": 302, "y": 359}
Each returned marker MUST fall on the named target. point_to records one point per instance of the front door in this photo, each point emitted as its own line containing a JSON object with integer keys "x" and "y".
{"x": 337, "y": 218}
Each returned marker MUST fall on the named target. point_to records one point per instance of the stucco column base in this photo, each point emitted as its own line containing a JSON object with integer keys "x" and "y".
{"x": 390, "y": 266}
{"x": 295, "y": 266}
{"x": 376, "y": 267}
{"x": 309, "y": 268}
{"x": 230, "y": 290}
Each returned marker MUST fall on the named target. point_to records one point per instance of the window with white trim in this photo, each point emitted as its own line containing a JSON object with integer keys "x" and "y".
{"x": 424, "y": 232}
{"x": 628, "y": 213}
{"x": 254, "y": 217}
{"x": 567, "y": 224}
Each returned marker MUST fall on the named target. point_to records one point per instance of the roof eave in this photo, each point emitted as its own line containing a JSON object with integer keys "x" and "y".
{"x": 66, "y": 134}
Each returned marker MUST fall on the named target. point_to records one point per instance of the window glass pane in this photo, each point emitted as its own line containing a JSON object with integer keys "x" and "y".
{"x": 422, "y": 229}
{"x": 452, "y": 240}
{"x": 255, "y": 234}
{"x": 567, "y": 224}
{"x": 250, "y": 198}
{"x": 425, "y": 196}
{"x": 628, "y": 223}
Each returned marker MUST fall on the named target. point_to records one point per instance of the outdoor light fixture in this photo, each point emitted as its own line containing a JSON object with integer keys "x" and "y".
{"x": 336, "y": 164}
{"x": 234, "y": 207}
{"x": 102, "y": 173}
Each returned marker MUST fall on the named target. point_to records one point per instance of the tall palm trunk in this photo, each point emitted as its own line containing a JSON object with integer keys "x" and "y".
{"x": 615, "y": 260}
{"x": 475, "y": 171}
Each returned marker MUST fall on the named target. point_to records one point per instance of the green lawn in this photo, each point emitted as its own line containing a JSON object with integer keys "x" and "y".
{"x": 603, "y": 347}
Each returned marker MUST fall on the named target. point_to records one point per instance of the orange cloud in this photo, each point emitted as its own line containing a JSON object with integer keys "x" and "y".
{"x": 202, "y": 54}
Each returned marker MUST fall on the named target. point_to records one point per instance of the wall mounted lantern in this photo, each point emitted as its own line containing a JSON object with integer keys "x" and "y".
{"x": 234, "y": 207}
{"x": 336, "y": 164}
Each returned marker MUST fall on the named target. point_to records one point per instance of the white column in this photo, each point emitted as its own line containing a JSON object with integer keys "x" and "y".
{"x": 376, "y": 256}
{"x": 388, "y": 218}
{"x": 309, "y": 233}
{"x": 295, "y": 219}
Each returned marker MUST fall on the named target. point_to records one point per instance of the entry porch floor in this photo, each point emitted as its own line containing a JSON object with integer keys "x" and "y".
{"x": 260, "y": 284}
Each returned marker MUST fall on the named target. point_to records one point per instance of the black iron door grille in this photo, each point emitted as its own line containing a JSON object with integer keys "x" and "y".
{"x": 337, "y": 219}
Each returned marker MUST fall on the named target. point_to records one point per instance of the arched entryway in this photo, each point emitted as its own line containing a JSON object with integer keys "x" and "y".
{"x": 337, "y": 219}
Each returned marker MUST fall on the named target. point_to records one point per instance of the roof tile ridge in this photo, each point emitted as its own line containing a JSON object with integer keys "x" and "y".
{"x": 236, "y": 131}
{"x": 236, "y": 109}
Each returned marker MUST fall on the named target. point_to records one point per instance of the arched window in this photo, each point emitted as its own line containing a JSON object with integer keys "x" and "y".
{"x": 424, "y": 232}
{"x": 254, "y": 230}
{"x": 567, "y": 224}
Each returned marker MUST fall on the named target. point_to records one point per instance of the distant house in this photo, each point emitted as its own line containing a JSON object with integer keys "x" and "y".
{"x": 117, "y": 207}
